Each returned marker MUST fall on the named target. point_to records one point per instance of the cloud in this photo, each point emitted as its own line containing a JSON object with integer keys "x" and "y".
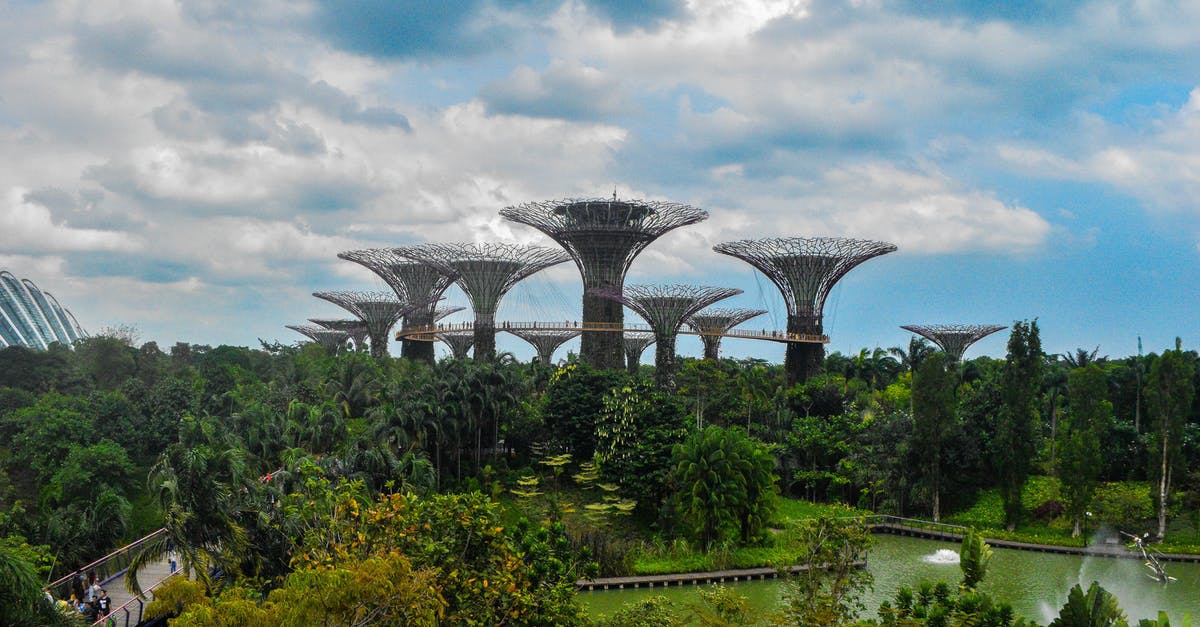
{"x": 27, "y": 226}
{"x": 565, "y": 90}
{"x": 1160, "y": 165}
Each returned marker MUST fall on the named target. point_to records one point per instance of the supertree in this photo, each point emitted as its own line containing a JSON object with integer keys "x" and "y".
{"x": 712, "y": 324}
{"x": 460, "y": 342}
{"x": 603, "y": 236}
{"x": 485, "y": 273}
{"x": 805, "y": 269}
{"x": 354, "y": 328}
{"x": 954, "y": 339}
{"x": 413, "y": 281}
{"x": 332, "y": 340}
{"x": 379, "y": 310}
{"x": 635, "y": 345}
{"x": 546, "y": 341}
{"x": 665, "y": 307}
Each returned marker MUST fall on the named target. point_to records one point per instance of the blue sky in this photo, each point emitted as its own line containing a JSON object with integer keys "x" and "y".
{"x": 192, "y": 169}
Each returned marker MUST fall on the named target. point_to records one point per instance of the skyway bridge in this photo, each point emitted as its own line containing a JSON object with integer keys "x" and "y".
{"x": 429, "y": 333}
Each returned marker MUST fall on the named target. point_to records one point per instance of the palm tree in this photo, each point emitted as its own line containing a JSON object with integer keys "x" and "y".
{"x": 1082, "y": 358}
{"x": 22, "y": 602}
{"x": 918, "y": 350}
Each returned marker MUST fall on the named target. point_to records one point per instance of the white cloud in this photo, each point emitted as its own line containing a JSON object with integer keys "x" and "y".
{"x": 30, "y": 227}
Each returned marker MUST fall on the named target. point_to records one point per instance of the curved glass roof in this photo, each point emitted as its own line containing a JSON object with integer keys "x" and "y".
{"x": 32, "y": 318}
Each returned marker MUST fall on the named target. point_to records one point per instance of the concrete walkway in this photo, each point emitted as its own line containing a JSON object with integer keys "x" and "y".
{"x": 149, "y": 576}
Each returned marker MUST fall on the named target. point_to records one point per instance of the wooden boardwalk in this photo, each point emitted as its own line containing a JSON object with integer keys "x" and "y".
{"x": 679, "y": 579}
{"x": 123, "y": 600}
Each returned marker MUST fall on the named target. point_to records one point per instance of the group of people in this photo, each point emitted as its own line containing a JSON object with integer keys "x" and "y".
{"x": 88, "y": 598}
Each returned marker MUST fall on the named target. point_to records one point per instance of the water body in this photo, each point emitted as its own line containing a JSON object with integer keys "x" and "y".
{"x": 1036, "y": 584}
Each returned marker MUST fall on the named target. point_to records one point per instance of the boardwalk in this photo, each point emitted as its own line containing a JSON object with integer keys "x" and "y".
{"x": 429, "y": 334}
{"x": 679, "y": 579}
{"x": 148, "y": 577}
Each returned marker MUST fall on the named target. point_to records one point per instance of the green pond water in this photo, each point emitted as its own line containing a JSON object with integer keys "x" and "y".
{"x": 1035, "y": 584}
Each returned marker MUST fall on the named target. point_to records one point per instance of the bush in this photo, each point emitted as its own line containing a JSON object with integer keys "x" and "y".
{"x": 1124, "y": 505}
{"x": 1049, "y": 510}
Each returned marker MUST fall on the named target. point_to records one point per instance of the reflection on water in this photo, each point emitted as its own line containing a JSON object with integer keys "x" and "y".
{"x": 1036, "y": 584}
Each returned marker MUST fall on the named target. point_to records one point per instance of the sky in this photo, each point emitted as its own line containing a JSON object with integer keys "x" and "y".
{"x": 192, "y": 169}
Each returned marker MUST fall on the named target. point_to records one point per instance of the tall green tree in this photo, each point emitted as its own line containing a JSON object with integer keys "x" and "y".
{"x": 725, "y": 485}
{"x": 1014, "y": 444}
{"x": 1081, "y": 459}
{"x": 933, "y": 419}
{"x": 1169, "y": 393}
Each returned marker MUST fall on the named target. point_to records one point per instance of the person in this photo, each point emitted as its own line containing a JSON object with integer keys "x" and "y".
{"x": 104, "y": 604}
{"x": 171, "y": 559}
{"x": 93, "y": 589}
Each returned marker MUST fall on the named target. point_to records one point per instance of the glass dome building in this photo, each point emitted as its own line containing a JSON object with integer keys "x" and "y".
{"x": 32, "y": 318}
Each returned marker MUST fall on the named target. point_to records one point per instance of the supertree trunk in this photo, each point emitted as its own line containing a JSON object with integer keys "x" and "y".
{"x": 416, "y": 350}
{"x": 803, "y": 360}
{"x": 602, "y": 349}
{"x": 379, "y": 344}
{"x": 485, "y": 340}
{"x": 664, "y": 362}
{"x": 712, "y": 346}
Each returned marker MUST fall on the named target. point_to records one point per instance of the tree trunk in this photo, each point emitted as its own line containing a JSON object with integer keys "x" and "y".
{"x": 1164, "y": 484}
{"x": 1076, "y": 531}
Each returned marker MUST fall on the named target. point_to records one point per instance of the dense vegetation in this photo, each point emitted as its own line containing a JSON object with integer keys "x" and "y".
{"x": 284, "y": 468}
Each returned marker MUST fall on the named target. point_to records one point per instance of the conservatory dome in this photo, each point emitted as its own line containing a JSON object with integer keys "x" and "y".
{"x": 32, "y": 318}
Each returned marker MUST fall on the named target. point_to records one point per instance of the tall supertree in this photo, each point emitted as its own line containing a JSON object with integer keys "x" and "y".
{"x": 413, "y": 282}
{"x": 665, "y": 307}
{"x": 635, "y": 344}
{"x": 354, "y": 328}
{"x": 485, "y": 273}
{"x": 460, "y": 342}
{"x": 805, "y": 269}
{"x": 379, "y": 310}
{"x": 332, "y": 340}
{"x": 603, "y": 236}
{"x": 546, "y": 341}
{"x": 712, "y": 324}
{"x": 954, "y": 339}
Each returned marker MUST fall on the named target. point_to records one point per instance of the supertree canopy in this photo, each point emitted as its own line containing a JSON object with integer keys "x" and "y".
{"x": 442, "y": 312}
{"x": 460, "y": 342}
{"x": 954, "y": 339}
{"x": 546, "y": 341}
{"x": 331, "y": 339}
{"x": 354, "y": 328}
{"x": 635, "y": 345}
{"x": 485, "y": 273}
{"x": 379, "y": 310}
{"x": 805, "y": 269}
{"x": 665, "y": 307}
{"x": 713, "y": 323}
{"x": 603, "y": 236}
{"x": 414, "y": 282}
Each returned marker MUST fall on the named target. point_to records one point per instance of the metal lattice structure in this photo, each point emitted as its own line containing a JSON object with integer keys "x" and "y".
{"x": 379, "y": 310}
{"x": 664, "y": 308}
{"x": 712, "y": 324}
{"x": 805, "y": 269}
{"x": 460, "y": 342}
{"x": 332, "y": 340}
{"x": 603, "y": 236}
{"x": 442, "y": 312}
{"x": 355, "y": 329}
{"x": 545, "y": 342}
{"x": 413, "y": 281}
{"x": 954, "y": 339}
{"x": 485, "y": 273}
{"x": 635, "y": 345}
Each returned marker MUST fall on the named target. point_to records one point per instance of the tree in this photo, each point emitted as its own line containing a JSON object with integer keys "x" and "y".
{"x": 1014, "y": 444}
{"x": 827, "y": 592}
{"x": 1169, "y": 393}
{"x": 725, "y": 486}
{"x": 22, "y": 602}
{"x": 635, "y": 435}
{"x": 1095, "y": 608}
{"x": 1081, "y": 459}
{"x": 933, "y": 418}
{"x": 974, "y": 557}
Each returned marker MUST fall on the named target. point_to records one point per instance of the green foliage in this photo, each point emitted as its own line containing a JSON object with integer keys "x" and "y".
{"x": 1126, "y": 506}
{"x": 1170, "y": 388}
{"x": 934, "y": 417}
{"x": 635, "y": 435}
{"x": 828, "y": 591}
{"x": 1095, "y": 608}
{"x": 572, "y": 406}
{"x": 22, "y": 602}
{"x": 1015, "y": 444}
{"x": 936, "y": 605}
{"x": 974, "y": 557}
{"x": 655, "y": 611}
{"x": 1080, "y": 457}
{"x": 725, "y": 486}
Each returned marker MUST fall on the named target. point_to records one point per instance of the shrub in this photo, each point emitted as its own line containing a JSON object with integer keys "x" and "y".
{"x": 1125, "y": 505}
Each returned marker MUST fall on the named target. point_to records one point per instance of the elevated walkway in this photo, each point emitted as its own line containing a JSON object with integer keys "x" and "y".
{"x": 110, "y": 573}
{"x": 429, "y": 334}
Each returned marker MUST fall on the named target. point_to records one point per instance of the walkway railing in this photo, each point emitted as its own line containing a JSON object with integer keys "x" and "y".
{"x": 429, "y": 334}
{"x": 130, "y": 612}
{"x": 108, "y": 567}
